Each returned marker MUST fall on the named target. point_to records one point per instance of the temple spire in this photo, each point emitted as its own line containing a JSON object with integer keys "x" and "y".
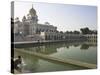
{"x": 32, "y": 5}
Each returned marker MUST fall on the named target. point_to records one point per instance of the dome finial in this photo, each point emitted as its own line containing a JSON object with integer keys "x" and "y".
{"x": 32, "y": 5}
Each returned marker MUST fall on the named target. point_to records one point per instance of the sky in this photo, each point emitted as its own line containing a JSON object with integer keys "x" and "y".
{"x": 65, "y": 17}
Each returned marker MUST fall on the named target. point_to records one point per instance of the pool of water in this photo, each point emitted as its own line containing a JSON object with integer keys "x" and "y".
{"x": 85, "y": 52}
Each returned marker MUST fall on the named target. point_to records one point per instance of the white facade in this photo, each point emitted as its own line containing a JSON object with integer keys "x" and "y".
{"x": 91, "y": 37}
{"x": 30, "y": 26}
{"x": 30, "y": 30}
{"x": 62, "y": 36}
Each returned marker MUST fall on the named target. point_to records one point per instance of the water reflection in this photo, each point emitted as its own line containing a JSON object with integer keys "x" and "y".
{"x": 52, "y": 48}
{"x": 35, "y": 64}
{"x": 28, "y": 61}
{"x": 86, "y": 52}
{"x": 84, "y": 46}
{"x": 76, "y": 50}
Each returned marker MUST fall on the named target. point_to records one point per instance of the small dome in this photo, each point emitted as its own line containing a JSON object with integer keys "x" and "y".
{"x": 32, "y": 11}
{"x": 24, "y": 17}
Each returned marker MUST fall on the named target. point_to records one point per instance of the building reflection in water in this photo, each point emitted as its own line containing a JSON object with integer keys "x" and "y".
{"x": 52, "y": 47}
{"x": 32, "y": 63}
{"x": 88, "y": 44}
{"x": 84, "y": 47}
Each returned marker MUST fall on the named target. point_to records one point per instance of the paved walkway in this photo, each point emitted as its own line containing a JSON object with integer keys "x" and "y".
{"x": 41, "y": 41}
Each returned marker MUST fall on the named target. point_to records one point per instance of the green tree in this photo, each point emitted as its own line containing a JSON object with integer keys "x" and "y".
{"x": 85, "y": 30}
{"x": 76, "y": 32}
{"x": 61, "y": 32}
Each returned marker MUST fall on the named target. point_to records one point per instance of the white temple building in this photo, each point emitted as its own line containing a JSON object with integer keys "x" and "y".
{"x": 30, "y": 26}
{"x": 30, "y": 30}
